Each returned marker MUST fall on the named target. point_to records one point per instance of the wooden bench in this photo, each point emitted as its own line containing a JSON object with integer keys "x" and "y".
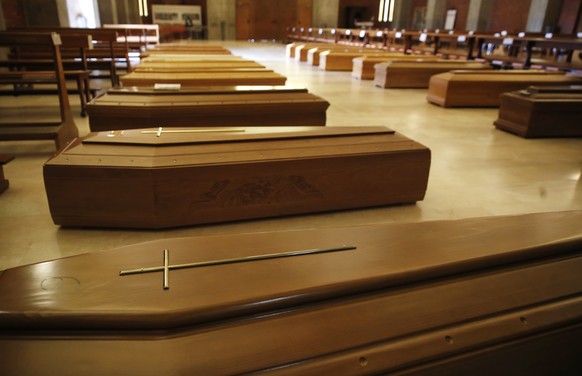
{"x": 363, "y": 66}
{"x": 107, "y": 55}
{"x": 4, "y": 159}
{"x": 542, "y": 111}
{"x": 40, "y": 70}
{"x": 139, "y": 37}
{"x": 206, "y": 106}
{"x": 61, "y": 132}
{"x": 204, "y": 79}
{"x": 482, "y": 88}
{"x": 416, "y": 73}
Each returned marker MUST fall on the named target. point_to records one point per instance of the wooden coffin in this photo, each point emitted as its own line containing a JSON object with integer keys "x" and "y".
{"x": 201, "y": 69}
{"x": 181, "y": 66}
{"x": 497, "y": 295}
{"x": 363, "y": 66}
{"x": 313, "y": 53}
{"x": 538, "y": 111}
{"x": 338, "y": 61}
{"x": 461, "y": 88}
{"x": 139, "y": 180}
{"x": 416, "y": 73}
{"x": 257, "y": 77}
{"x": 302, "y": 50}
{"x": 185, "y": 51}
{"x": 207, "y": 106}
{"x": 190, "y": 58}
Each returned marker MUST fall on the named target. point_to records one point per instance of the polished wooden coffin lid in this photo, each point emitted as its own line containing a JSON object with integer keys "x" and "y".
{"x": 136, "y": 148}
{"x": 87, "y": 292}
{"x": 255, "y": 77}
{"x": 525, "y": 76}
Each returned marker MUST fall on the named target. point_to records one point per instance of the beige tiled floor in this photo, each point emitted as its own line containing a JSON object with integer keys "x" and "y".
{"x": 476, "y": 170}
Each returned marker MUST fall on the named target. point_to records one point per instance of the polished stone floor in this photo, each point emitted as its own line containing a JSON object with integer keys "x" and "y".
{"x": 476, "y": 170}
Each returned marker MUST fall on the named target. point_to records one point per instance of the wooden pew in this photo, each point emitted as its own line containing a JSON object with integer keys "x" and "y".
{"x": 542, "y": 111}
{"x": 363, "y": 66}
{"x": 204, "y": 79}
{"x": 138, "y": 36}
{"x": 41, "y": 70}
{"x": 4, "y": 183}
{"x": 416, "y": 73}
{"x": 213, "y": 175}
{"x": 61, "y": 132}
{"x": 130, "y": 108}
{"x": 477, "y": 296}
{"x": 483, "y": 88}
{"x": 106, "y": 55}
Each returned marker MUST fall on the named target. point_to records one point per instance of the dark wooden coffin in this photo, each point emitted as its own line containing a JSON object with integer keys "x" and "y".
{"x": 218, "y": 106}
{"x": 538, "y": 111}
{"x": 461, "y": 88}
{"x": 139, "y": 180}
{"x": 255, "y": 77}
{"x": 363, "y": 67}
{"x": 416, "y": 73}
{"x": 486, "y": 296}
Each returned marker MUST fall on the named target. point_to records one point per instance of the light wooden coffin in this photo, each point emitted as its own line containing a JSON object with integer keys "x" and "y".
{"x": 313, "y": 53}
{"x": 190, "y": 58}
{"x": 538, "y": 111}
{"x": 132, "y": 179}
{"x": 302, "y": 50}
{"x": 417, "y": 73}
{"x": 363, "y": 66}
{"x": 338, "y": 61}
{"x": 181, "y": 66}
{"x": 185, "y": 51}
{"x": 257, "y": 77}
{"x": 485, "y": 296}
{"x": 482, "y": 89}
{"x": 201, "y": 69}
{"x": 205, "y": 106}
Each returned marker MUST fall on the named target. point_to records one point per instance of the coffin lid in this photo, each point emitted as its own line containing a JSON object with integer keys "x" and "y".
{"x": 87, "y": 292}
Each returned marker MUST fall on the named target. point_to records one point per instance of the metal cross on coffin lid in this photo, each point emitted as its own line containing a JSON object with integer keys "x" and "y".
{"x": 167, "y": 267}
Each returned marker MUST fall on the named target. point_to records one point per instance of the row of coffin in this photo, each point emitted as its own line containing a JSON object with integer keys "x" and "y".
{"x": 533, "y": 103}
{"x": 449, "y": 297}
{"x": 220, "y": 150}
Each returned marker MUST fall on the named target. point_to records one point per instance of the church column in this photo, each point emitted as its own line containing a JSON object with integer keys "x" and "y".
{"x": 543, "y": 15}
{"x": 221, "y": 19}
{"x": 435, "y": 14}
{"x": 402, "y": 10}
{"x": 479, "y": 14}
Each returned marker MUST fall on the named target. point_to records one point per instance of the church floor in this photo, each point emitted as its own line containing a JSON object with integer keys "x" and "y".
{"x": 476, "y": 170}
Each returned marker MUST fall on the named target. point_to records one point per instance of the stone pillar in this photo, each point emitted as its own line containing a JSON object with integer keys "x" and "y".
{"x": 402, "y": 9}
{"x": 221, "y": 19}
{"x": 543, "y": 15}
{"x": 435, "y": 14}
{"x": 325, "y": 13}
{"x": 479, "y": 14}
